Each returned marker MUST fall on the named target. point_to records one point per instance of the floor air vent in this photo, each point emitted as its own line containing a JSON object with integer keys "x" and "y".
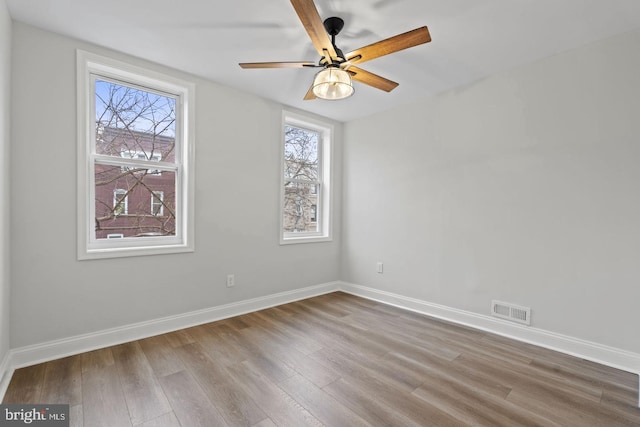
{"x": 511, "y": 312}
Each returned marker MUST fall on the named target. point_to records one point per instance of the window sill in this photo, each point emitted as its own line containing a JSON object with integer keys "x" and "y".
{"x": 133, "y": 251}
{"x": 304, "y": 239}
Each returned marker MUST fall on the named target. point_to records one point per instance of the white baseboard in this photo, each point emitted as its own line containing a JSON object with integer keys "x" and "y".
{"x": 5, "y": 374}
{"x": 51, "y": 350}
{"x": 609, "y": 356}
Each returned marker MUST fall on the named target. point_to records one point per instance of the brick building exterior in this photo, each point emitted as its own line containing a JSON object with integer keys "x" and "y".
{"x": 134, "y": 201}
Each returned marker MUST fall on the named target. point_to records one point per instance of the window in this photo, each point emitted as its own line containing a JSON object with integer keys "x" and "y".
{"x": 306, "y": 172}
{"x": 313, "y": 213}
{"x": 134, "y": 165}
{"x": 157, "y": 206}
{"x": 120, "y": 202}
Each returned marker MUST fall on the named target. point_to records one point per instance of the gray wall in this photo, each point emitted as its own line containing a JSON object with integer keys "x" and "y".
{"x": 522, "y": 187}
{"x": 5, "y": 85}
{"x": 237, "y": 191}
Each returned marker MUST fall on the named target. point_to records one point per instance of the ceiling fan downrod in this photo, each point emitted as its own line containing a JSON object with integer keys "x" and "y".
{"x": 334, "y": 25}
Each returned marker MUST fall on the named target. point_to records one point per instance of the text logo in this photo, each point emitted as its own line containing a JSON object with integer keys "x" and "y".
{"x": 12, "y": 415}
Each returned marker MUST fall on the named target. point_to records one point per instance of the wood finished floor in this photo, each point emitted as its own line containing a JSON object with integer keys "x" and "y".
{"x": 334, "y": 360}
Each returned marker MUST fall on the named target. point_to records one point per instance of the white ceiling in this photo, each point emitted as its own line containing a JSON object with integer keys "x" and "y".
{"x": 471, "y": 39}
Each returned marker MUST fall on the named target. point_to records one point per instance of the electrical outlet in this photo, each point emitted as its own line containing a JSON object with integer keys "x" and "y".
{"x": 379, "y": 267}
{"x": 231, "y": 280}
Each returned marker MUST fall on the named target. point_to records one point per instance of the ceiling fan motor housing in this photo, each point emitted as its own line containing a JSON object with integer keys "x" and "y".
{"x": 333, "y": 25}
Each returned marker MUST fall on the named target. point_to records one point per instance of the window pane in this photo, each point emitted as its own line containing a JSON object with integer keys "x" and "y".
{"x": 300, "y": 154}
{"x": 124, "y": 203}
{"x": 133, "y": 123}
{"x": 299, "y": 205}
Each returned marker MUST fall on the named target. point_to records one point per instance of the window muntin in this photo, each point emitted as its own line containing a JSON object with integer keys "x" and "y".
{"x": 141, "y": 155}
{"x": 134, "y": 135}
{"x": 305, "y": 203}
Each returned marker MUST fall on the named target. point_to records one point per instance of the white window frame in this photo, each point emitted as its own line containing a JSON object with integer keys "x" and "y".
{"x": 324, "y": 193}
{"x": 90, "y": 65}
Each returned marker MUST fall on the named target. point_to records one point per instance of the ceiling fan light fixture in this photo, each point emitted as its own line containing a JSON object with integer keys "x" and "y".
{"x": 332, "y": 83}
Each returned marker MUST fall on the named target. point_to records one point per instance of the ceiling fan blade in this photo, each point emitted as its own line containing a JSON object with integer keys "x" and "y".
{"x": 392, "y": 44}
{"x": 362, "y": 76}
{"x": 312, "y": 22}
{"x": 291, "y": 64}
{"x": 310, "y": 95}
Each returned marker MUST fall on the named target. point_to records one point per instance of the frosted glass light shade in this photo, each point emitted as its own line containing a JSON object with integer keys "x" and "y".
{"x": 332, "y": 83}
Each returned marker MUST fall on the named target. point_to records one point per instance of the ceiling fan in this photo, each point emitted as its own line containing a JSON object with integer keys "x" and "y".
{"x": 334, "y": 80}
